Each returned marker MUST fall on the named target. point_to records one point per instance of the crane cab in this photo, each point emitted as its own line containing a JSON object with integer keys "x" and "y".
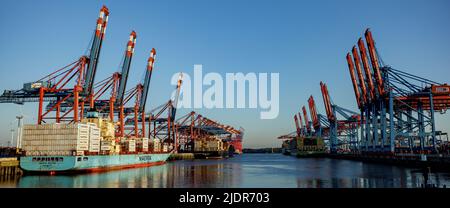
{"x": 440, "y": 89}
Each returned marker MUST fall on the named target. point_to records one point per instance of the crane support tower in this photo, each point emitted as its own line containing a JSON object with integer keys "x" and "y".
{"x": 343, "y": 133}
{"x": 397, "y": 108}
{"x": 72, "y": 83}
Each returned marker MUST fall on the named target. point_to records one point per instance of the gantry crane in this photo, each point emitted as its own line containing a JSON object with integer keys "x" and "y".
{"x": 115, "y": 84}
{"x": 319, "y": 123}
{"x": 343, "y": 133}
{"x": 163, "y": 127}
{"x": 193, "y": 126}
{"x": 140, "y": 93}
{"x": 57, "y": 86}
{"x": 298, "y": 126}
{"x": 397, "y": 108}
{"x": 185, "y": 130}
{"x": 307, "y": 122}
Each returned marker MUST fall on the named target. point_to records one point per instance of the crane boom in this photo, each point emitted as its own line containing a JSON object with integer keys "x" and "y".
{"x": 305, "y": 115}
{"x": 367, "y": 71}
{"x": 126, "y": 68}
{"x": 148, "y": 76}
{"x": 177, "y": 95}
{"x": 297, "y": 126}
{"x": 362, "y": 83}
{"x": 313, "y": 112}
{"x": 327, "y": 102}
{"x": 300, "y": 120}
{"x": 351, "y": 68}
{"x": 95, "y": 50}
{"x": 374, "y": 60}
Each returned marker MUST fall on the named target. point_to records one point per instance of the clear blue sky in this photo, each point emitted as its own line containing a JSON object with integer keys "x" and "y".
{"x": 304, "y": 41}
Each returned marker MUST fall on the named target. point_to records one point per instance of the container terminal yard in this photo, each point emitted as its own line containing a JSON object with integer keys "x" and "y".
{"x": 395, "y": 121}
{"x": 101, "y": 131}
{"x": 86, "y": 125}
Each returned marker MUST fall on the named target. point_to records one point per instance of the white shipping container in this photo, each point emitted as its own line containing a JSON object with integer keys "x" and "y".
{"x": 93, "y": 130}
{"x": 92, "y": 124}
{"x": 145, "y": 143}
{"x": 82, "y": 148}
{"x": 82, "y": 141}
{"x": 131, "y": 145}
{"x": 131, "y": 148}
{"x": 94, "y": 149}
{"x": 105, "y": 147}
{"x": 117, "y": 148}
{"x": 156, "y": 148}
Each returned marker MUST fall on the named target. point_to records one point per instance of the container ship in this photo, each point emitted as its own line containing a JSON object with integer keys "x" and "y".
{"x": 87, "y": 146}
{"x": 87, "y": 141}
{"x": 310, "y": 146}
{"x": 304, "y": 146}
{"x": 217, "y": 146}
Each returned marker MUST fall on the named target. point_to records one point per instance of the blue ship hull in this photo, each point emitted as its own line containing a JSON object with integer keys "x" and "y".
{"x": 90, "y": 163}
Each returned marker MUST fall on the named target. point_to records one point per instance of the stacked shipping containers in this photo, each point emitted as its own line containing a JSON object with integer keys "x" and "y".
{"x": 128, "y": 145}
{"x": 215, "y": 145}
{"x": 208, "y": 146}
{"x": 107, "y": 145}
{"x": 55, "y": 139}
{"x": 198, "y": 146}
{"x": 142, "y": 144}
{"x": 76, "y": 139}
{"x": 94, "y": 138}
{"x": 108, "y": 129}
{"x": 156, "y": 145}
{"x": 110, "y": 147}
{"x": 145, "y": 144}
{"x": 131, "y": 145}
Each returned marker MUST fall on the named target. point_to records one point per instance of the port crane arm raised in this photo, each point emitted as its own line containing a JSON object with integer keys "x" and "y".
{"x": 126, "y": 68}
{"x": 95, "y": 50}
{"x": 148, "y": 76}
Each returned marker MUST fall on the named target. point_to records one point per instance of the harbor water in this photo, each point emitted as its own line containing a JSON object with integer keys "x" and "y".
{"x": 245, "y": 171}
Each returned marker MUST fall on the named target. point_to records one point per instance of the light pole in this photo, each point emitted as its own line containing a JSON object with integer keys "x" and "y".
{"x": 12, "y": 137}
{"x": 19, "y": 132}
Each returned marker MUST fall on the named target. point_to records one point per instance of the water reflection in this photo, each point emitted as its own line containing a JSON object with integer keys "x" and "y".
{"x": 204, "y": 174}
{"x": 252, "y": 170}
{"x": 130, "y": 178}
{"x": 350, "y": 174}
{"x": 177, "y": 174}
